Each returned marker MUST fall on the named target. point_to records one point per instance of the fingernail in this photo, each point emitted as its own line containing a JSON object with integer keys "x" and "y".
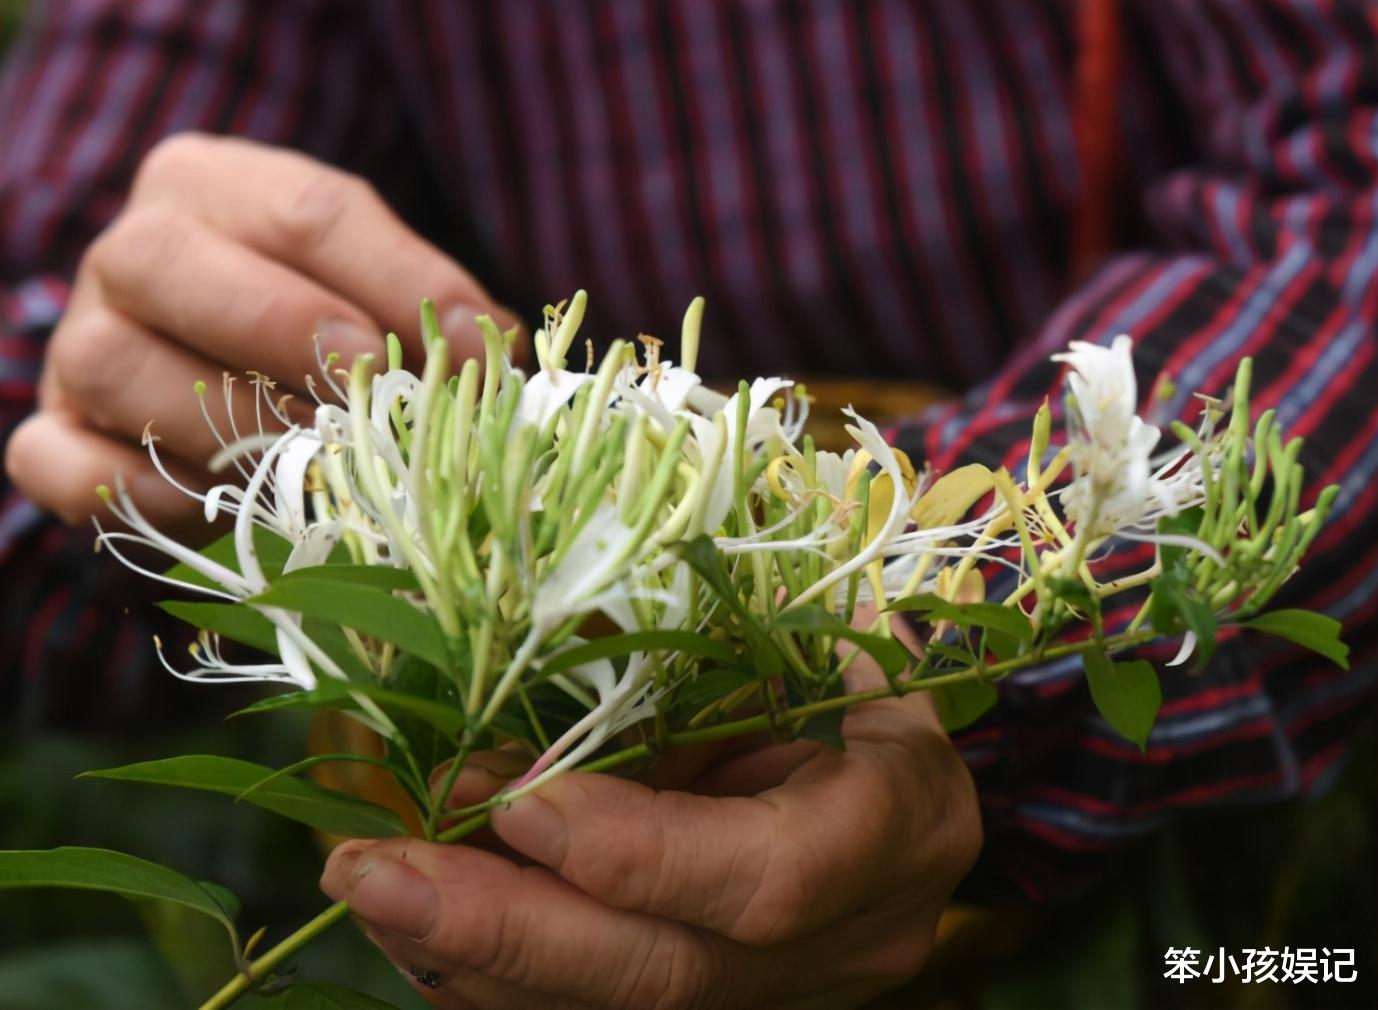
{"x": 352, "y": 848}
{"x": 459, "y": 323}
{"x": 347, "y": 339}
{"x": 507, "y": 318}
{"x": 393, "y": 897}
{"x": 534, "y": 828}
{"x": 152, "y": 489}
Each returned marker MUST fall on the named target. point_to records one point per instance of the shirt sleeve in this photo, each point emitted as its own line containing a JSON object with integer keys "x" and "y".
{"x": 86, "y": 89}
{"x": 1267, "y": 246}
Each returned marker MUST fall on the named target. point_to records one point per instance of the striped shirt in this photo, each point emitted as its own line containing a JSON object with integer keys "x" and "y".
{"x": 899, "y": 188}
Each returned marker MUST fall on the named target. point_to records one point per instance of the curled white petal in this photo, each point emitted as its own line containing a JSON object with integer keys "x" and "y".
{"x": 1184, "y": 653}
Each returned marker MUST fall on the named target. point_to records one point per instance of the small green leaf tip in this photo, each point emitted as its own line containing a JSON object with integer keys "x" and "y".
{"x": 430, "y": 322}
{"x": 690, "y": 334}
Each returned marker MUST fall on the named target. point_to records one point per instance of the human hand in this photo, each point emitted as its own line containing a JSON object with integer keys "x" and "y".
{"x": 790, "y": 876}
{"x": 228, "y": 256}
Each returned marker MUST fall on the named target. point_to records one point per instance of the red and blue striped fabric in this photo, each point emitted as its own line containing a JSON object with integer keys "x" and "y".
{"x": 859, "y": 187}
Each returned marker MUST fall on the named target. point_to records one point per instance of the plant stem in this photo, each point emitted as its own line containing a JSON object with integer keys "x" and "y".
{"x": 799, "y": 713}
{"x": 259, "y": 968}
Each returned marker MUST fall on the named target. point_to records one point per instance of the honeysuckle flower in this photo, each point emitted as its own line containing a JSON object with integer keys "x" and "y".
{"x": 720, "y": 442}
{"x": 1116, "y": 486}
{"x": 623, "y": 550}
{"x": 604, "y": 550}
{"x": 674, "y": 387}
{"x": 273, "y": 498}
{"x": 831, "y": 470}
{"x": 903, "y": 497}
{"x": 545, "y": 393}
{"x": 622, "y": 701}
{"x": 524, "y": 506}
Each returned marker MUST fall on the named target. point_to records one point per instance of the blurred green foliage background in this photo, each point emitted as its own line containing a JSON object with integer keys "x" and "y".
{"x": 11, "y": 11}
{"x": 1303, "y": 874}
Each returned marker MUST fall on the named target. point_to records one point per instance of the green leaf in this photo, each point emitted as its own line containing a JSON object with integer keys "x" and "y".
{"x": 712, "y": 685}
{"x": 328, "y": 695}
{"x": 226, "y": 898}
{"x": 272, "y": 552}
{"x": 1184, "y": 524}
{"x": 1010, "y": 620}
{"x": 234, "y": 621}
{"x": 336, "y": 696}
{"x": 428, "y": 714}
{"x": 377, "y": 576}
{"x": 919, "y": 601}
{"x": 889, "y": 654}
{"x": 825, "y": 728}
{"x": 684, "y": 642}
{"x": 961, "y": 704}
{"x": 1317, "y": 632}
{"x": 702, "y": 555}
{"x": 954, "y": 653}
{"x": 323, "y": 809}
{"x": 1173, "y": 607}
{"x": 363, "y": 608}
{"x": 115, "y": 872}
{"x": 322, "y": 996}
{"x": 239, "y": 622}
{"x": 331, "y": 638}
{"x": 310, "y": 762}
{"x": 191, "y": 944}
{"x": 1002, "y": 645}
{"x": 1127, "y": 695}
{"x": 1074, "y": 593}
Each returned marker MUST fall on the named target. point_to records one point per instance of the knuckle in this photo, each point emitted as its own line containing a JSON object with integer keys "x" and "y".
{"x": 897, "y": 958}
{"x": 619, "y": 855}
{"x": 137, "y": 244}
{"x": 28, "y": 457}
{"x": 493, "y": 942}
{"x": 447, "y": 285}
{"x": 948, "y": 832}
{"x": 776, "y": 907}
{"x": 20, "y": 451}
{"x": 309, "y": 212}
{"x": 964, "y": 820}
{"x": 678, "y": 971}
{"x": 625, "y": 881}
{"x": 91, "y": 357}
{"x": 176, "y": 156}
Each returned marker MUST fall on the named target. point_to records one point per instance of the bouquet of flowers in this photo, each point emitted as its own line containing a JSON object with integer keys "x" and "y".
{"x": 598, "y": 563}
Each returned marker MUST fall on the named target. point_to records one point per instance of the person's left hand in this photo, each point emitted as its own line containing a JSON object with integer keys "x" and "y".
{"x": 793, "y": 876}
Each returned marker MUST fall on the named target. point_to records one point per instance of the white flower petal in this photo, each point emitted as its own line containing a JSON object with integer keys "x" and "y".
{"x": 545, "y": 393}
{"x": 1184, "y": 653}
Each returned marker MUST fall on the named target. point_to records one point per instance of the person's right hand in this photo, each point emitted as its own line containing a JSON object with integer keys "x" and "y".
{"x": 228, "y": 257}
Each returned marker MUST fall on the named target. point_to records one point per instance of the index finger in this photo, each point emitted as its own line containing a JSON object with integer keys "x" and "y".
{"x": 759, "y": 870}
{"x": 324, "y": 223}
